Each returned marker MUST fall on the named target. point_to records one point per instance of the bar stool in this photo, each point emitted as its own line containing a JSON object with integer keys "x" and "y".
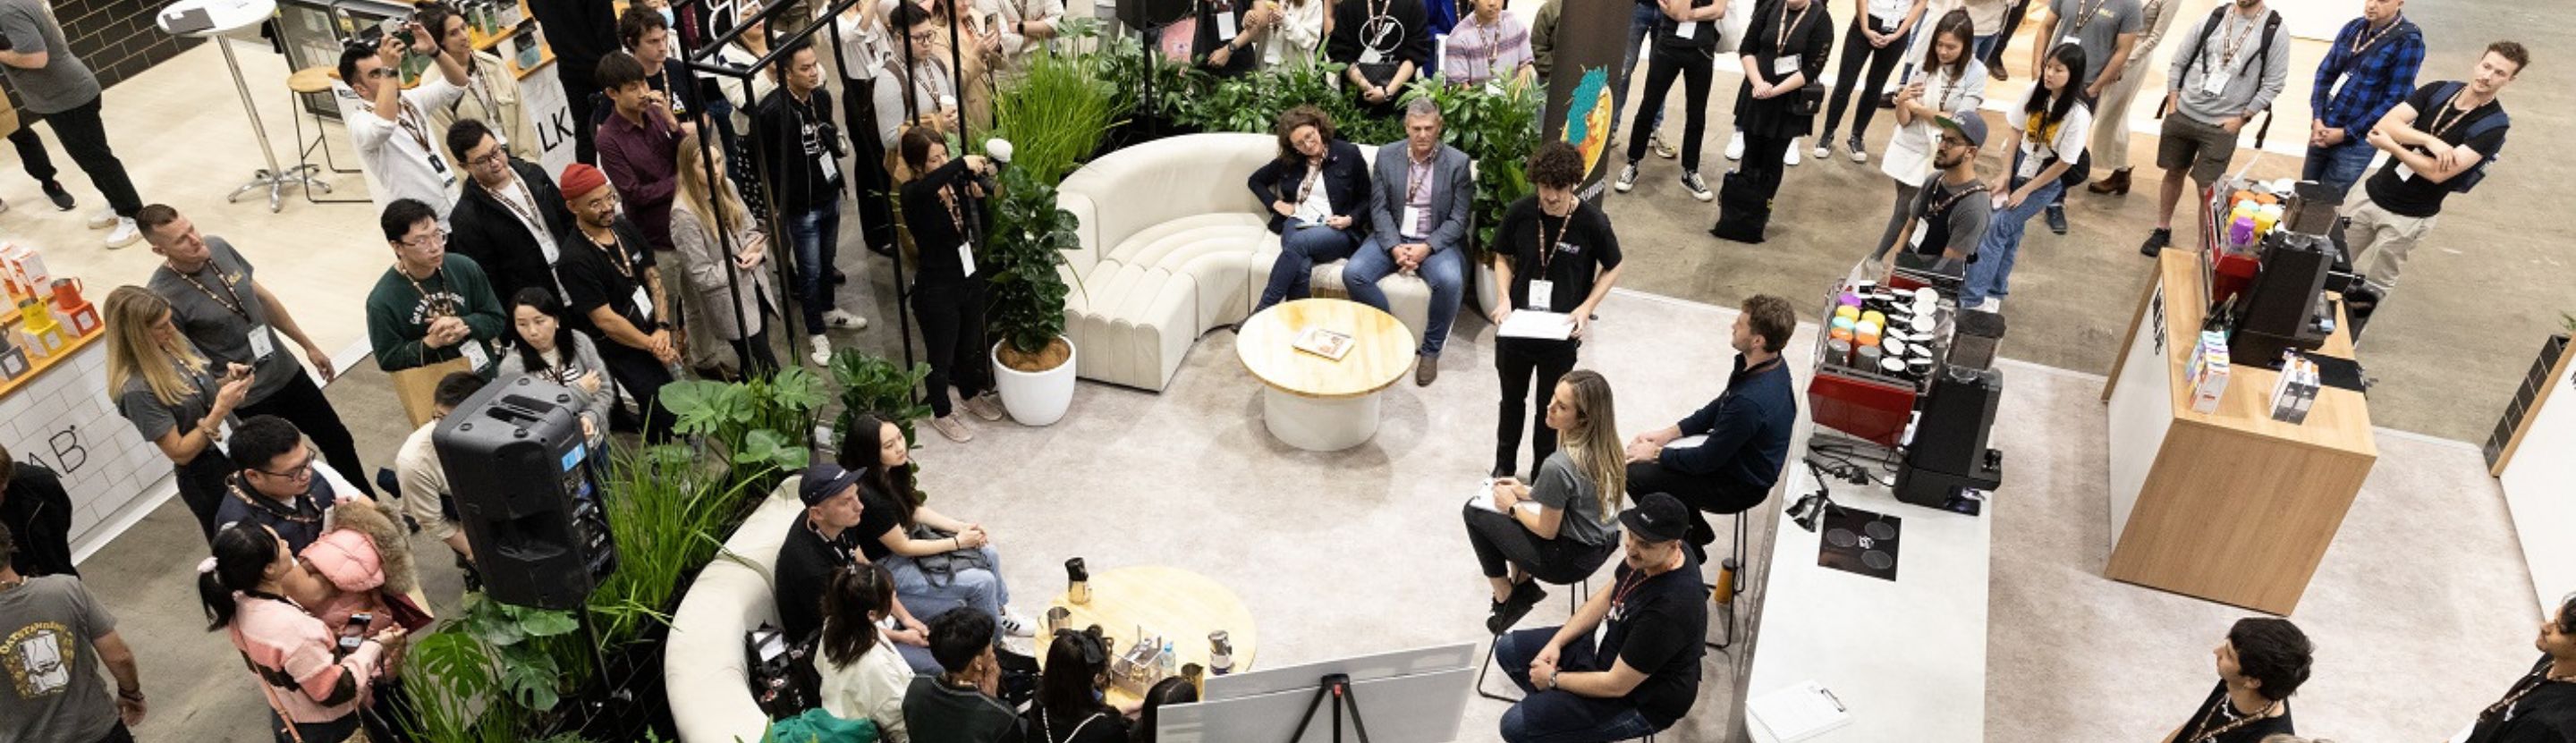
{"x": 1573, "y": 603}
{"x": 315, "y": 81}
{"x": 1737, "y": 554}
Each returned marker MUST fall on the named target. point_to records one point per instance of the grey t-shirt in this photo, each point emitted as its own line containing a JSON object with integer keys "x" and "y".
{"x": 217, "y": 309}
{"x": 1969, "y": 213}
{"x": 2096, "y": 26}
{"x": 1558, "y": 485}
{"x": 55, "y": 690}
{"x": 152, "y": 417}
{"x": 63, "y": 83}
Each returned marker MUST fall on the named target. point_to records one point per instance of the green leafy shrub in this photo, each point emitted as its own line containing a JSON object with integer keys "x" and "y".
{"x": 877, "y": 385}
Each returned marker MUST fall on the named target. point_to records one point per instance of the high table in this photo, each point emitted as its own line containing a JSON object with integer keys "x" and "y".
{"x": 230, "y": 16}
{"x": 1315, "y": 403}
{"x": 2229, "y": 506}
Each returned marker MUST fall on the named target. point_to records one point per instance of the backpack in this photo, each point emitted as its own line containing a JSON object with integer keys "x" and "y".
{"x": 2468, "y": 179}
{"x": 783, "y": 678}
{"x": 2262, "y": 57}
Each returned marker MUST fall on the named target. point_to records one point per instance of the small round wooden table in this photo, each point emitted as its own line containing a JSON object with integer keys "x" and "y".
{"x": 1180, "y": 605}
{"x": 1316, "y": 403}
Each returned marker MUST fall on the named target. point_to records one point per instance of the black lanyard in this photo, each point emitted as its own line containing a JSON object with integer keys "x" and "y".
{"x": 236, "y": 305}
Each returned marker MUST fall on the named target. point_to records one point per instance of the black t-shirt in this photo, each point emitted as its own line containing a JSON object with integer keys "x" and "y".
{"x": 938, "y": 231}
{"x": 1668, "y": 32}
{"x": 2215, "y": 714}
{"x": 878, "y": 514}
{"x": 1397, "y": 30}
{"x": 805, "y": 566}
{"x": 1656, "y": 625}
{"x": 592, "y": 279}
{"x": 1101, "y": 726}
{"x": 1576, "y": 250}
{"x": 2544, "y": 715}
{"x": 38, "y": 513}
{"x": 2416, "y": 196}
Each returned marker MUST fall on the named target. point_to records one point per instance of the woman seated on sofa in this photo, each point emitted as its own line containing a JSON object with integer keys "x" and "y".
{"x": 1068, "y": 707}
{"x": 937, "y": 562}
{"x": 1555, "y": 528}
{"x": 863, "y": 674}
{"x": 1314, "y": 189}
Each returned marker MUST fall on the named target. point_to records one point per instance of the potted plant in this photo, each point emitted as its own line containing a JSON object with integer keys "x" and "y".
{"x": 1055, "y": 113}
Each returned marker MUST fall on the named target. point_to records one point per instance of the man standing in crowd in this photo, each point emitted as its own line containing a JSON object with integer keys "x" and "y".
{"x": 2540, "y": 707}
{"x": 1747, "y": 428}
{"x": 277, "y": 486}
{"x": 1024, "y": 26}
{"x": 1419, "y": 213}
{"x": 2223, "y": 75}
{"x": 2439, "y": 142}
{"x": 34, "y": 505}
{"x": 580, "y": 32}
{"x": 57, "y": 634}
{"x": 1640, "y": 673}
{"x": 614, "y": 290}
{"x": 392, "y": 125}
{"x": 2374, "y": 58}
{"x": 793, "y": 132}
{"x": 2108, "y": 32}
{"x": 1948, "y": 217}
{"x": 638, "y": 146}
{"x": 2110, "y": 148}
{"x": 510, "y": 219}
{"x": 33, "y": 157}
{"x": 647, "y": 36}
{"x": 426, "y": 496}
{"x": 58, "y": 88}
{"x": 233, "y": 319}
{"x": 929, "y": 82}
{"x": 1385, "y": 44}
{"x": 958, "y": 704}
{"x": 1559, "y": 255}
{"x": 431, "y": 307}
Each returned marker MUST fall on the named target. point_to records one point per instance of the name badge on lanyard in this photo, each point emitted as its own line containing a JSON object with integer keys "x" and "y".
{"x": 643, "y": 302}
{"x": 474, "y": 354}
{"x": 446, "y": 177}
{"x": 1541, "y": 292}
{"x": 965, "y": 259}
{"x": 1785, "y": 66}
{"x": 1225, "y": 30}
{"x": 1370, "y": 56}
{"x": 1412, "y": 222}
{"x": 2213, "y": 83}
{"x": 1922, "y": 225}
{"x": 262, "y": 343}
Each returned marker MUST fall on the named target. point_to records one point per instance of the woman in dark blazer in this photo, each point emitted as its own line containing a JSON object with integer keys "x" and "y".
{"x": 1784, "y": 51}
{"x": 1314, "y": 191}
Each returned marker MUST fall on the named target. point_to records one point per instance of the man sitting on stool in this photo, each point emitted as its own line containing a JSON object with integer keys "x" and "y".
{"x": 1747, "y": 428}
{"x": 1644, "y": 673}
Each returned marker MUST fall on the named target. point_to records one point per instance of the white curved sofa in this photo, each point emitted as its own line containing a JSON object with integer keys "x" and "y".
{"x": 1174, "y": 245}
{"x": 703, "y": 677}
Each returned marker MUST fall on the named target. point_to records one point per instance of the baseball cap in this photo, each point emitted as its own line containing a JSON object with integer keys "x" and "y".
{"x": 1968, "y": 124}
{"x": 1657, "y": 518}
{"x": 823, "y": 481}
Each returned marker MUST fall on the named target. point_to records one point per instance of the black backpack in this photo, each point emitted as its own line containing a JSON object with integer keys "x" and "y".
{"x": 783, "y": 678}
{"x": 2262, "y": 58}
{"x": 2468, "y": 179}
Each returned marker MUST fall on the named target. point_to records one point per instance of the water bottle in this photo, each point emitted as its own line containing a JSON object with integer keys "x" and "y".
{"x": 1170, "y": 664}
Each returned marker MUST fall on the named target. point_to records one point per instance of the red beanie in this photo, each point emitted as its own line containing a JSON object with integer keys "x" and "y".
{"x": 579, "y": 180}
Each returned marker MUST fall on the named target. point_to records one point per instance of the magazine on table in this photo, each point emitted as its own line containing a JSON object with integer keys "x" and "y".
{"x": 1329, "y": 344}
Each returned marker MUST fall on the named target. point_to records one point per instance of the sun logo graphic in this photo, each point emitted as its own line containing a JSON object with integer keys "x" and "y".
{"x": 1587, "y": 118}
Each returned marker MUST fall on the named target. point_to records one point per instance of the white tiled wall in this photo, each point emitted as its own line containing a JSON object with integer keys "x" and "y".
{"x": 65, "y": 421}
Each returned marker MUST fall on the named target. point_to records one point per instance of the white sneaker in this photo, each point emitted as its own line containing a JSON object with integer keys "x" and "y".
{"x": 1858, "y": 154}
{"x": 125, "y": 234}
{"x": 840, "y": 319}
{"x": 1662, "y": 149}
{"x": 822, "y": 346}
{"x": 104, "y": 219}
{"x": 1698, "y": 188}
{"x": 1627, "y": 179}
{"x": 1823, "y": 151}
{"x": 1735, "y": 147}
{"x": 1014, "y": 625}
{"x": 953, "y": 428}
{"x": 1792, "y": 159}
{"x": 987, "y": 406}
{"x": 1992, "y": 304}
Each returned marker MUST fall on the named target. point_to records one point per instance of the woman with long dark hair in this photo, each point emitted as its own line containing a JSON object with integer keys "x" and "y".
{"x": 1951, "y": 80}
{"x": 1165, "y": 692}
{"x": 1316, "y": 190}
{"x": 938, "y": 562}
{"x": 548, "y": 349}
{"x": 2046, "y": 136}
{"x": 864, "y": 676}
{"x": 948, "y": 286}
{"x": 314, "y": 680}
{"x": 173, "y": 396}
{"x": 1068, "y": 708}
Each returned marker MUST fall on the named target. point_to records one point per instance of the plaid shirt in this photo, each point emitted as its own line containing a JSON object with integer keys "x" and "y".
{"x": 2381, "y": 75}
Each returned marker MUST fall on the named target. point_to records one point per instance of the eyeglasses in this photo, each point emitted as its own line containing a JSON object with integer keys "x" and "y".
{"x": 925, "y": 37}
{"x": 429, "y": 240}
{"x": 298, "y": 472}
{"x": 1950, "y": 141}
{"x": 495, "y": 157}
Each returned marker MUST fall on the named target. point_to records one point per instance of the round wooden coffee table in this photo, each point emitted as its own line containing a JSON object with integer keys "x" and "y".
{"x": 1180, "y": 605}
{"x": 1316, "y": 403}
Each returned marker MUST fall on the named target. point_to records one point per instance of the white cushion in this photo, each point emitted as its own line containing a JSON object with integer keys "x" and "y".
{"x": 703, "y": 676}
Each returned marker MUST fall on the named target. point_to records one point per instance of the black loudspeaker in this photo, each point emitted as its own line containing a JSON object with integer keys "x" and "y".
{"x": 521, "y": 471}
{"x": 1949, "y": 453}
{"x": 1154, "y": 13}
{"x": 2282, "y": 306}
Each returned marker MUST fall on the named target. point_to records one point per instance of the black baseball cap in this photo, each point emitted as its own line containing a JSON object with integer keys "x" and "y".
{"x": 823, "y": 481}
{"x": 1657, "y": 518}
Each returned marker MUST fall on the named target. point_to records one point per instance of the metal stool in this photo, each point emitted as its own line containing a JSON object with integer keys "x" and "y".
{"x": 315, "y": 81}
{"x": 1737, "y": 554}
{"x": 1573, "y": 603}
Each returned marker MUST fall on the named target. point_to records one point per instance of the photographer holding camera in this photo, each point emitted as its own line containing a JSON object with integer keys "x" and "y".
{"x": 942, "y": 208}
{"x": 393, "y": 130}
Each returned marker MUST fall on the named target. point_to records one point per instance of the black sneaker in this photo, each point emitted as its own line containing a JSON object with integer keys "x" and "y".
{"x": 1503, "y": 470}
{"x": 842, "y": 278}
{"x": 2156, "y": 242}
{"x": 2057, "y": 218}
{"x": 62, "y": 199}
{"x": 1524, "y": 596}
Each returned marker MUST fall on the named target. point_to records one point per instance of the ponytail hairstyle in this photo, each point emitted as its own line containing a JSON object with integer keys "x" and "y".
{"x": 1593, "y": 442}
{"x": 1953, "y": 25}
{"x": 243, "y": 552}
{"x": 855, "y": 592}
{"x": 2047, "y": 108}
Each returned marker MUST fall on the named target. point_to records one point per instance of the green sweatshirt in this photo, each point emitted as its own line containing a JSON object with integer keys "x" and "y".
{"x": 399, "y": 311}
{"x": 1543, "y": 38}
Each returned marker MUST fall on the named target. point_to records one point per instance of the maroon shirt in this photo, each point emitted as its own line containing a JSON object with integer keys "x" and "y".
{"x": 642, "y": 162}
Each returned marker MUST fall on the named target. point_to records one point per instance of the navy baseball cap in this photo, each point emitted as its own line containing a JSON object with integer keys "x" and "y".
{"x": 823, "y": 481}
{"x": 1968, "y": 124}
{"x": 1657, "y": 518}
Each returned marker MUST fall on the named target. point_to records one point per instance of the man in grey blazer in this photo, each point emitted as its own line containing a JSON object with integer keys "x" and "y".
{"x": 1418, "y": 209}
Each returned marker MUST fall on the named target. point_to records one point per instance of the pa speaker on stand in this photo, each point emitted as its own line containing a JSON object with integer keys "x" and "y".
{"x": 523, "y": 477}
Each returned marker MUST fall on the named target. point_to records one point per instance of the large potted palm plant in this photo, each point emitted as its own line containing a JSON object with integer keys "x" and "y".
{"x": 1054, "y": 113}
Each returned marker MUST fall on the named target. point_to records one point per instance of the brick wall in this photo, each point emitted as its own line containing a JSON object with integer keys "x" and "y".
{"x": 116, "y": 38}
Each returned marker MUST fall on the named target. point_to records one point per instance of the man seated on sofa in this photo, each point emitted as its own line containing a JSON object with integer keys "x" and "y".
{"x": 820, "y": 544}
{"x": 1418, "y": 212}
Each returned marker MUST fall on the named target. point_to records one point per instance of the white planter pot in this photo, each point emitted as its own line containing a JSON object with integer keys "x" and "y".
{"x": 1035, "y": 398}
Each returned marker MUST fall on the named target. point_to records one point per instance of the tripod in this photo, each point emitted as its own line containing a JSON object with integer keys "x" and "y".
{"x": 1338, "y": 687}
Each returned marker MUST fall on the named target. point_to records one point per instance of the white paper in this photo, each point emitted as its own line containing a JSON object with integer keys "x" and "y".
{"x": 1484, "y": 499}
{"x": 1550, "y": 326}
{"x": 261, "y": 343}
{"x": 1540, "y": 292}
{"x": 643, "y": 302}
{"x": 1800, "y": 711}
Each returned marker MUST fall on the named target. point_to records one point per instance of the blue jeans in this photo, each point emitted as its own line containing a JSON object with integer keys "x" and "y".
{"x": 1558, "y": 716}
{"x": 1991, "y": 274}
{"x": 1444, "y": 270}
{"x": 1292, "y": 275}
{"x": 817, "y": 233}
{"x": 2340, "y": 166}
{"x": 1641, "y": 23}
{"x": 972, "y": 587}
{"x": 1984, "y": 45}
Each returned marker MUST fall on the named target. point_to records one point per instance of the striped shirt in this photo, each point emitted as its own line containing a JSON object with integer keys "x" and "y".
{"x": 1478, "y": 53}
{"x": 2375, "y": 78}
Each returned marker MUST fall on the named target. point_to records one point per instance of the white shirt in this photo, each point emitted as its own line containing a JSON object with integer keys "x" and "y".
{"x": 1318, "y": 204}
{"x": 1908, "y": 158}
{"x": 400, "y": 153}
{"x": 870, "y": 689}
{"x": 864, "y": 49}
{"x": 2072, "y": 134}
{"x": 1299, "y": 35}
{"x": 514, "y": 199}
{"x": 1890, "y": 11}
{"x": 1008, "y": 13}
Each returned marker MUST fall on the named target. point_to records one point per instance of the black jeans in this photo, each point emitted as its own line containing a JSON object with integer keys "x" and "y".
{"x": 301, "y": 402}
{"x": 1693, "y": 67}
{"x": 869, "y": 181}
{"x": 1518, "y": 359}
{"x": 1761, "y": 163}
{"x": 118, "y": 734}
{"x": 85, "y": 138}
{"x": 643, "y": 376}
{"x": 1501, "y": 542}
{"x": 201, "y": 487}
{"x": 31, "y": 151}
{"x": 579, "y": 87}
{"x": 2003, "y": 35}
{"x": 757, "y": 360}
{"x": 389, "y": 718}
{"x": 1882, "y": 61}
{"x": 952, "y": 331}
{"x": 313, "y": 732}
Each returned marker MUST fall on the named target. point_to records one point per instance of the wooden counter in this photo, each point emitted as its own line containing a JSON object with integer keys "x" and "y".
{"x": 37, "y": 367}
{"x": 2229, "y": 506}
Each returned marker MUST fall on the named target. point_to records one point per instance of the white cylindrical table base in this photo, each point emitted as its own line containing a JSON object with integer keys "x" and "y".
{"x": 1315, "y": 424}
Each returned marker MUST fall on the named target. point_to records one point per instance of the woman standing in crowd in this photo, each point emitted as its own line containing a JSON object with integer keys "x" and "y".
{"x": 491, "y": 92}
{"x": 2540, "y": 707}
{"x": 1685, "y": 47}
{"x": 938, "y": 562}
{"x": 1877, "y": 37}
{"x": 170, "y": 395}
{"x": 1951, "y": 80}
{"x": 943, "y": 207}
{"x": 2262, "y": 662}
{"x": 1167, "y": 691}
{"x": 723, "y": 287}
{"x": 1316, "y": 189}
{"x": 1488, "y": 46}
{"x": 863, "y": 676}
{"x": 1556, "y": 253}
{"x": 255, "y": 588}
{"x": 1068, "y": 707}
{"x": 2046, "y": 136}
{"x": 550, "y": 350}
{"x": 1784, "y": 51}
{"x": 1556, "y": 527}
{"x": 1296, "y": 32}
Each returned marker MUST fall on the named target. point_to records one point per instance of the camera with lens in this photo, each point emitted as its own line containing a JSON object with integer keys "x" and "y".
{"x": 830, "y": 134}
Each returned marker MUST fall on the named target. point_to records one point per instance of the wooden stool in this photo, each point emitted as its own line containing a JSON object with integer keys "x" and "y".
{"x": 316, "y": 80}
